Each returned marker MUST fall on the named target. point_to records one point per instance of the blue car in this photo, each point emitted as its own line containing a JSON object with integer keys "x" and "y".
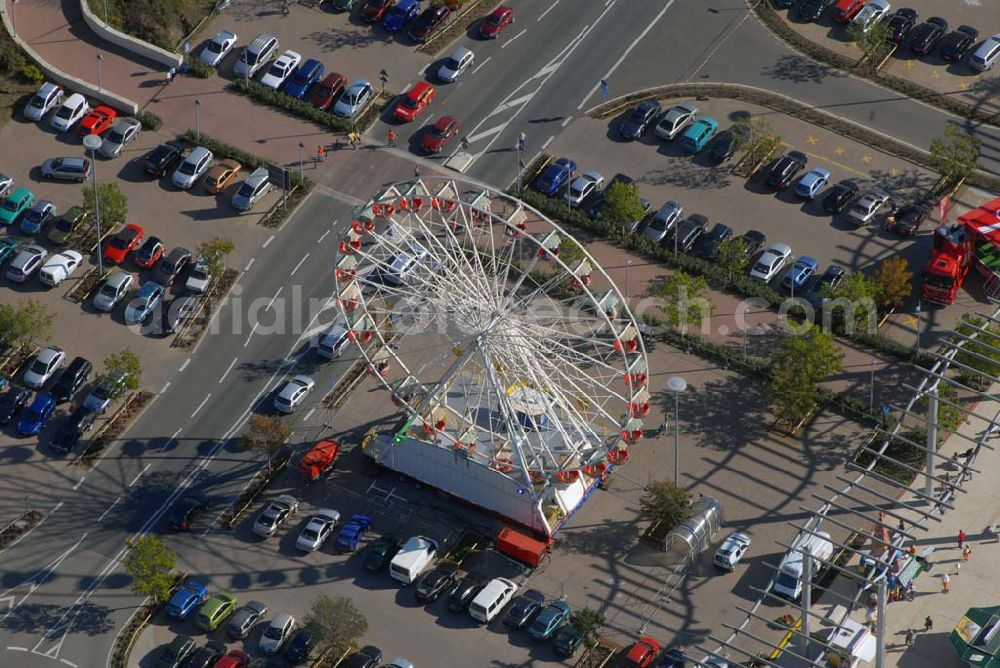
{"x": 352, "y": 533}
{"x": 186, "y": 599}
{"x": 698, "y": 134}
{"x": 800, "y": 272}
{"x": 305, "y": 76}
{"x": 38, "y": 413}
{"x": 555, "y": 176}
{"x": 812, "y": 182}
{"x": 401, "y": 14}
{"x": 548, "y": 621}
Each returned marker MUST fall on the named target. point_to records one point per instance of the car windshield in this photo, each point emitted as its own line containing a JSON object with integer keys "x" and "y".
{"x": 277, "y": 70}
{"x": 493, "y": 20}
{"x": 452, "y": 64}
{"x": 311, "y": 534}
{"x": 323, "y": 91}
{"x": 38, "y": 366}
{"x": 38, "y": 102}
{"x": 65, "y": 112}
{"x": 762, "y": 268}
{"x": 11, "y": 205}
{"x": 116, "y": 136}
{"x": 122, "y": 241}
{"x": 397, "y": 12}
{"x": 410, "y": 103}
{"x": 187, "y": 167}
{"x": 300, "y": 77}
{"x": 273, "y": 633}
{"x": 245, "y": 190}
{"x": 787, "y": 581}
{"x": 199, "y": 274}
{"x": 31, "y": 415}
{"x": 440, "y": 132}
{"x": 215, "y": 47}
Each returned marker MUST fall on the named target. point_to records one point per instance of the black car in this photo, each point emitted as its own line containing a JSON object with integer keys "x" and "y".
{"x": 205, "y": 657}
{"x": 840, "y": 196}
{"x": 635, "y": 124}
{"x": 925, "y": 36}
{"x": 909, "y": 218}
{"x": 367, "y": 657}
{"x": 811, "y": 10}
{"x": 381, "y": 552}
{"x": 464, "y": 592}
{"x": 429, "y": 21}
{"x": 785, "y": 169}
{"x": 72, "y": 428}
{"x": 174, "y": 654}
{"x": 708, "y": 244}
{"x": 567, "y": 640}
{"x": 171, "y": 266}
{"x": 298, "y": 648}
{"x": 186, "y": 511}
{"x": 11, "y": 403}
{"x": 783, "y": 4}
{"x": 723, "y": 146}
{"x": 957, "y": 43}
{"x": 178, "y": 311}
{"x": 245, "y": 618}
{"x": 524, "y": 608}
{"x": 163, "y": 157}
{"x": 435, "y": 581}
{"x": 688, "y": 231}
{"x": 72, "y": 378}
{"x": 674, "y": 658}
{"x": 753, "y": 241}
{"x": 901, "y": 23}
{"x": 827, "y": 281}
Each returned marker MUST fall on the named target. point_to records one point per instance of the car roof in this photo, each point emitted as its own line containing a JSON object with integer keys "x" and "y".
{"x": 149, "y": 287}
{"x": 49, "y": 353}
{"x": 281, "y": 619}
{"x": 20, "y": 193}
{"x": 358, "y": 83}
{"x": 460, "y": 53}
{"x": 779, "y": 247}
{"x": 683, "y": 107}
{"x": 418, "y": 89}
{"x": 197, "y": 153}
{"x": 74, "y": 100}
{"x": 48, "y": 87}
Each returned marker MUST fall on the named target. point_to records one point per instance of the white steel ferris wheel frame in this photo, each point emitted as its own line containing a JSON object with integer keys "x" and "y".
{"x": 565, "y": 393}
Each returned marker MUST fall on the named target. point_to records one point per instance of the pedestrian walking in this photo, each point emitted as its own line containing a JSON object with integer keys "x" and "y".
{"x": 392, "y": 137}
{"x": 171, "y": 73}
{"x": 911, "y": 591}
{"x": 909, "y": 637}
{"x": 901, "y": 525}
{"x": 966, "y": 553}
{"x": 945, "y": 582}
{"x": 928, "y": 623}
{"x": 320, "y": 154}
{"x": 961, "y": 539}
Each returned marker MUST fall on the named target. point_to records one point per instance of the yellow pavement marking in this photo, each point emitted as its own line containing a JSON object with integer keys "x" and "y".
{"x": 910, "y": 320}
{"x": 812, "y": 141}
{"x": 936, "y": 74}
{"x": 839, "y": 150}
{"x": 909, "y": 64}
{"x": 964, "y": 85}
{"x": 893, "y": 172}
{"x": 828, "y": 160}
{"x": 866, "y": 159}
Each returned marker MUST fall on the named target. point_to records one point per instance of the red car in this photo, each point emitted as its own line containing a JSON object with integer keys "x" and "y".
{"x": 327, "y": 91}
{"x": 845, "y": 10}
{"x": 440, "y": 134}
{"x": 149, "y": 253}
{"x": 97, "y": 121}
{"x": 415, "y": 101}
{"x": 641, "y": 653}
{"x": 374, "y": 10}
{"x": 123, "y": 243}
{"x": 235, "y": 659}
{"x": 492, "y": 25}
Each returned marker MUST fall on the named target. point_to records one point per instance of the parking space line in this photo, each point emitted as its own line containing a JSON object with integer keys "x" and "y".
{"x": 507, "y": 43}
{"x": 12, "y": 648}
{"x": 185, "y": 365}
{"x": 322, "y": 236}
{"x": 268, "y": 242}
{"x": 108, "y": 510}
{"x": 247, "y": 342}
{"x": 550, "y": 8}
{"x": 547, "y": 142}
{"x": 309, "y": 414}
{"x": 228, "y": 369}
{"x": 567, "y": 120}
{"x": 167, "y": 385}
{"x": 78, "y": 483}
{"x": 68, "y": 663}
{"x": 271, "y": 303}
{"x": 249, "y": 264}
{"x": 202, "y": 404}
{"x": 817, "y": 156}
{"x": 139, "y": 475}
{"x": 482, "y": 64}
{"x": 171, "y": 440}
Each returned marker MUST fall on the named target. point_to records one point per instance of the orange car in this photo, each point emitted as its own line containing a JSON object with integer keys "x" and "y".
{"x": 221, "y": 175}
{"x": 97, "y": 121}
{"x": 415, "y": 101}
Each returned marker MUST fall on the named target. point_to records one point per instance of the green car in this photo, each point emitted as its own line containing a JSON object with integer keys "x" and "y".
{"x": 20, "y": 201}
{"x": 215, "y": 610}
{"x": 8, "y": 247}
{"x": 66, "y": 224}
{"x": 342, "y": 5}
{"x": 567, "y": 641}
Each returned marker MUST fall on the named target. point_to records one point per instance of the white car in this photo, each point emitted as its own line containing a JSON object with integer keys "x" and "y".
{"x": 276, "y": 634}
{"x": 354, "y": 99}
{"x": 6, "y": 184}
{"x": 25, "y": 263}
{"x": 276, "y": 514}
{"x": 198, "y": 279}
{"x": 48, "y": 97}
{"x": 868, "y": 206}
{"x": 871, "y": 13}
{"x": 731, "y": 551}
{"x": 72, "y": 110}
{"x": 405, "y": 262}
{"x": 986, "y": 56}
{"x": 281, "y": 69}
{"x": 59, "y": 267}
{"x": 582, "y": 188}
{"x": 317, "y": 530}
{"x": 771, "y": 262}
{"x": 459, "y": 61}
{"x": 122, "y": 132}
{"x": 252, "y": 190}
{"x": 292, "y": 393}
{"x": 193, "y": 167}
{"x": 218, "y": 48}
{"x": 676, "y": 119}
{"x": 43, "y": 367}
{"x": 118, "y": 284}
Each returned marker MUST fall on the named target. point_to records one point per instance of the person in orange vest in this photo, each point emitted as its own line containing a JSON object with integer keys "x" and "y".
{"x": 320, "y": 154}
{"x": 392, "y": 137}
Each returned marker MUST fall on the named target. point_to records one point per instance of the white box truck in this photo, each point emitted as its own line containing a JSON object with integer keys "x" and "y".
{"x": 789, "y": 580}
{"x": 413, "y": 559}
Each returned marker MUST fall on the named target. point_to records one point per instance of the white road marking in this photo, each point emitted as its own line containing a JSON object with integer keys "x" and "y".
{"x": 296, "y": 268}
{"x": 139, "y": 475}
{"x": 249, "y": 264}
{"x": 513, "y": 103}
{"x": 482, "y": 64}
{"x": 423, "y": 69}
{"x": 171, "y": 440}
{"x": 271, "y": 303}
{"x": 167, "y": 385}
{"x": 78, "y": 483}
{"x": 567, "y": 120}
{"x": 12, "y": 648}
{"x": 23, "y": 535}
{"x": 228, "y": 369}
{"x": 485, "y": 133}
{"x": 35, "y": 581}
{"x": 551, "y": 7}
{"x": 68, "y": 663}
{"x": 322, "y": 236}
{"x": 247, "y": 342}
{"x": 202, "y": 404}
{"x": 547, "y": 142}
{"x": 507, "y": 43}
{"x": 113, "y": 504}
{"x": 628, "y": 50}
{"x": 268, "y": 242}
{"x": 309, "y": 414}
{"x": 185, "y": 365}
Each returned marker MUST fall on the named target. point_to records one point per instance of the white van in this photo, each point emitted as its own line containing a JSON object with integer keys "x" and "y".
{"x": 413, "y": 559}
{"x": 333, "y": 341}
{"x": 789, "y": 580}
{"x": 492, "y": 599}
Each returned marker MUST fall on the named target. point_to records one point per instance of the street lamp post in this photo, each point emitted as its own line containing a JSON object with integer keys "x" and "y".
{"x": 100, "y": 57}
{"x": 13, "y": 15}
{"x": 676, "y": 386}
{"x": 917, "y": 313}
{"x": 301, "y": 174}
{"x": 105, "y": 13}
{"x": 92, "y": 143}
{"x": 871, "y": 388}
{"x": 197, "y": 119}
{"x": 628, "y": 263}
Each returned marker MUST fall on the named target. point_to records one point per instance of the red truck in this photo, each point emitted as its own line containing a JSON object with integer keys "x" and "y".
{"x": 956, "y": 247}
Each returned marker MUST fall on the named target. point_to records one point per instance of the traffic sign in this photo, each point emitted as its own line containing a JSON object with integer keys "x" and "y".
{"x": 187, "y": 46}
{"x": 279, "y": 176}
{"x": 886, "y": 409}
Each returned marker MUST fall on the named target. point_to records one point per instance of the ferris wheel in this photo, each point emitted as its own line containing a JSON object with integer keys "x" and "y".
{"x": 494, "y": 331}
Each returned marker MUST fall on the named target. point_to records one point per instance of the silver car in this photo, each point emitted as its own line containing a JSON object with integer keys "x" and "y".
{"x": 218, "y": 48}
{"x": 459, "y": 61}
{"x": 117, "y": 285}
{"x": 317, "y": 530}
{"x": 48, "y": 97}
{"x": 868, "y": 206}
{"x": 193, "y": 168}
{"x": 354, "y": 99}
{"x": 26, "y": 263}
{"x": 274, "y": 515}
{"x": 122, "y": 132}
{"x": 277, "y": 633}
{"x": 663, "y": 221}
{"x": 67, "y": 169}
{"x": 771, "y": 262}
{"x": 43, "y": 367}
{"x": 986, "y": 56}
{"x": 583, "y": 187}
{"x": 252, "y": 190}
{"x": 293, "y": 392}
{"x": 675, "y": 120}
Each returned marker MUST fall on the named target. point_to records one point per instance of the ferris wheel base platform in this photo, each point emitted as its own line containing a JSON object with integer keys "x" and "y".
{"x": 543, "y": 511}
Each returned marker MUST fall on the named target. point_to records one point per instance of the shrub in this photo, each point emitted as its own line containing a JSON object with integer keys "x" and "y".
{"x": 149, "y": 120}
{"x": 248, "y": 160}
{"x": 304, "y": 110}
{"x": 196, "y": 68}
{"x": 31, "y": 74}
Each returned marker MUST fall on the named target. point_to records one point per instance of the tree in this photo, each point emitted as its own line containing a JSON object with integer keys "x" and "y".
{"x": 731, "y": 255}
{"x": 336, "y": 621}
{"x": 873, "y": 41}
{"x": 214, "y": 252}
{"x": 587, "y": 623}
{"x": 114, "y": 204}
{"x": 682, "y": 298}
{"x": 852, "y": 303}
{"x": 798, "y": 366}
{"x": 125, "y": 364}
{"x": 955, "y": 155}
{"x": 266, "y": 433}
{"x": 755, "y": 136}
{"x": 664, "y": 502}
{"x": 621, "y": 207}
{"x": 893, "y": 281}
{"x": 29, "y": 323}
{"x": 151, "y": 564}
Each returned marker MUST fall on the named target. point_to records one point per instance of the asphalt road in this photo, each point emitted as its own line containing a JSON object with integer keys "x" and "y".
{"x": 64, "y": 593}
